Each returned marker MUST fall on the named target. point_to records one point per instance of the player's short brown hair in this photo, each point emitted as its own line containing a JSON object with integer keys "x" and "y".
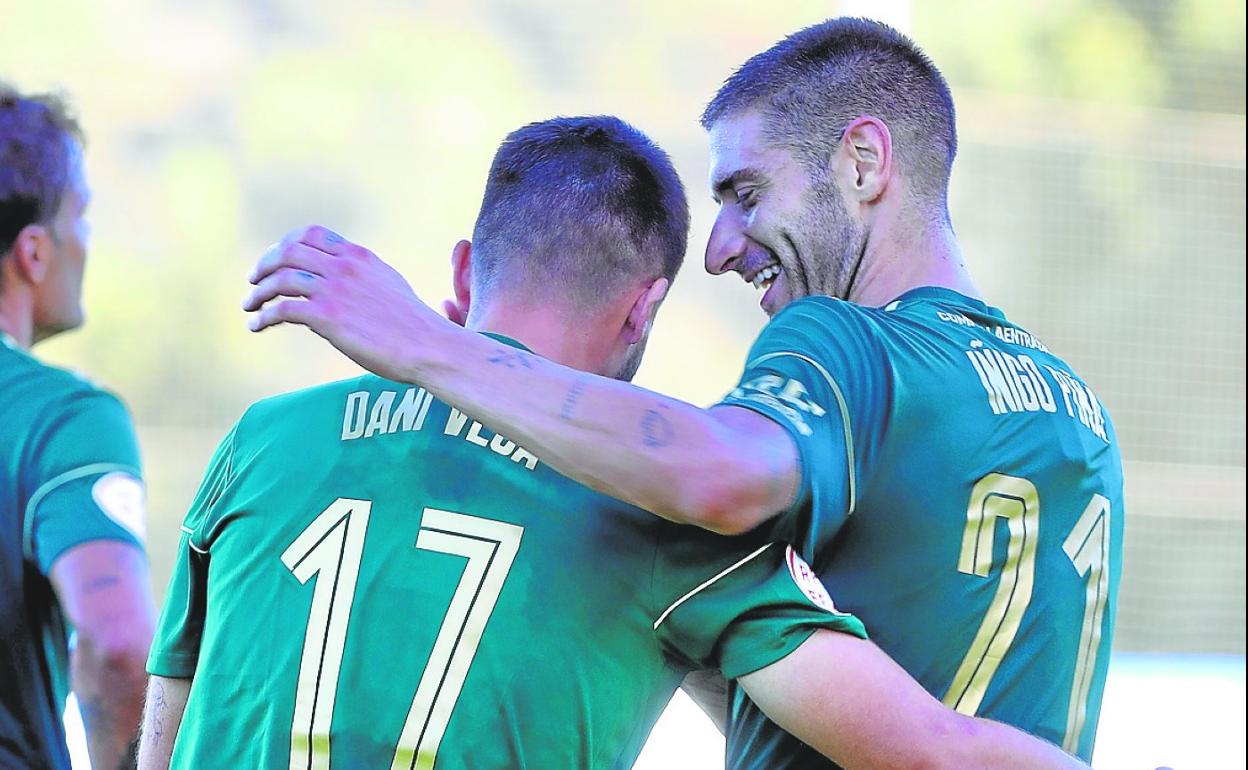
{"x": 813, "y": 83}
{"x": 37, "y": 137}
{"x": 577, "y": 206}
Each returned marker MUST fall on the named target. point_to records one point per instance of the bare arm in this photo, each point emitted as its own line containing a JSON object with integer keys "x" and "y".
{"x": 709, "y": 690}
{"x": 726, "y": 469}
{"x": 166, "y": 703}
{"x": 104, "y": 589}
{"x": 843, "y": 696}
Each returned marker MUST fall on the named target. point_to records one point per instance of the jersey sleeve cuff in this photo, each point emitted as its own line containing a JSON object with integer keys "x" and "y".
{"x": 172, "y": 665}
{"x": 743, "y": 660}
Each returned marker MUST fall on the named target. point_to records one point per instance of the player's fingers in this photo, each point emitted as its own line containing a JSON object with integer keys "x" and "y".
{"x": 285, "y": 282}
{"x": 323, "y": 239}
{"x": 296, "y": 311}
{"x": 295, "y": 255}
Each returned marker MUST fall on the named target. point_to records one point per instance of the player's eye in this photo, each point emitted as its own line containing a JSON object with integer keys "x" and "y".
{"x": 747, "y": 197}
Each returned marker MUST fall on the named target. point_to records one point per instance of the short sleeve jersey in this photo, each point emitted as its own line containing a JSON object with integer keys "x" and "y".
{"x": 69, "y": 474}
{"x": 369, "y": 578}
{"x": 958, "y": 478}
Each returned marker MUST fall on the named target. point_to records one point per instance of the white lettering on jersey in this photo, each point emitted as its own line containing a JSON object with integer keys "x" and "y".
{"x": 359, "y": 421}
{"x": 498, "y": 444}
{"x": 1014, "y": 384}
{"x": 1080, "y": 402}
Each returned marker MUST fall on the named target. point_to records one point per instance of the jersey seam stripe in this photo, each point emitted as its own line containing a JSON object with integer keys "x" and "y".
{"x": 50, "y": 486}
{"x": 190, "y": 540}
{"x": 840, "y": 403}
{"x": 707, "y": 585}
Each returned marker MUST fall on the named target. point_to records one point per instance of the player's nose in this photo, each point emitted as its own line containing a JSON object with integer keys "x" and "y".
{"x": 726, "y": 246}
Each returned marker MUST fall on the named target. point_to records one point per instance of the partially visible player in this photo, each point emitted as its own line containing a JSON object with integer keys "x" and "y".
{"x": 937, "y": 464}
{"x": 71, "y": 500}
{"x": 369, "y": 578}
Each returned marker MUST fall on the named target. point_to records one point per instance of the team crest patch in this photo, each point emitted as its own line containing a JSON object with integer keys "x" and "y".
{"x": 808, "y": 581}
{"x": 120, "y": 495}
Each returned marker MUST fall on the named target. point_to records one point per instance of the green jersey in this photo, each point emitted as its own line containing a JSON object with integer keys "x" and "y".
{"x": 69, "y": 474}
{"x": 369, "y": 578}
{"x": 961, "y": 493}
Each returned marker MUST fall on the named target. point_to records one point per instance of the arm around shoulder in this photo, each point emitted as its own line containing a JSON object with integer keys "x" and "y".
{"x": 752, "y": 473}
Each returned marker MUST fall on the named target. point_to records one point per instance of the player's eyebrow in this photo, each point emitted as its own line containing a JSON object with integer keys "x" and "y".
{"x": 728, "y": 182}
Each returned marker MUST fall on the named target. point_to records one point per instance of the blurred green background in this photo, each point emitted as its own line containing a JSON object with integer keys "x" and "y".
{"x": 1099, "y": 195}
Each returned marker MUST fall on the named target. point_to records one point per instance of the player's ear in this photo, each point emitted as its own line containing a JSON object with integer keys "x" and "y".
{"x": 461, "y": 281}
{"x": 637, "y": 325}
{"x": 866, "y": 158}
{"x": 31, "y": 254}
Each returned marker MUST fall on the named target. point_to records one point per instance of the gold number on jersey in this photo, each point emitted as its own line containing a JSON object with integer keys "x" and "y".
{"x": 1015, "y": 500}
{"x": 1087, "y": 545}
{"x": 331, "y": 547}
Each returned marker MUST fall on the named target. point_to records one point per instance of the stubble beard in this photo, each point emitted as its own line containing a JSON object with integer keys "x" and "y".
{"x": 837, "y": 244}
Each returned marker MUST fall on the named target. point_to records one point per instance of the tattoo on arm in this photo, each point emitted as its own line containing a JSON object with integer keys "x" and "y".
{"x": 569, "y": 401}
{"x": 512, "y": 359}
{"x": 656, "y": 430}
{"x": 99, "y": 583}
{"x": 156, "y": 709}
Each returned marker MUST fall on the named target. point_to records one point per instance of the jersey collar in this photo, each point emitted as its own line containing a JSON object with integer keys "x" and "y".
{"x": 948, "y": 297}
{"x": 507, "y": 341}
{"x": 8, "y": 341}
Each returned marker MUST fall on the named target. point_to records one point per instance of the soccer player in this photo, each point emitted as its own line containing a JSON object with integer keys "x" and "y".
{"x": 71, "y": 499}
{"x": 952, "y": 478}
{"x": 370, "y": 578}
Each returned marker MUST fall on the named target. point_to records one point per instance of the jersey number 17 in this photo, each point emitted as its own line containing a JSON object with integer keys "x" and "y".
{"x": 331, "y": 548}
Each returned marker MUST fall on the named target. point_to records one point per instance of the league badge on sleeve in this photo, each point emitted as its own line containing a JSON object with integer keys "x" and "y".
{"x": 121, "y": 496}
{"x": 808, "y": 581}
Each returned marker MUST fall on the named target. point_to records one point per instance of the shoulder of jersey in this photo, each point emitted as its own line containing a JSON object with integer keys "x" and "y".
{"x": 57, "y": 383}
{"x": 303, "y": 396}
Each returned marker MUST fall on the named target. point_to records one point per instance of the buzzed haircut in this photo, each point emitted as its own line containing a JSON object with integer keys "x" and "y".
{"x": 37, "y": 157}
{"x": 575, "y": 209}
{"x": 814, "y": 82}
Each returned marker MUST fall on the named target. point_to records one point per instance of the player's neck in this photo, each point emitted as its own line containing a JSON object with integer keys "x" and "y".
{"x": 573, "y": 343}
{"x": 17, "y": 318}
{"x": 903, "y": 258}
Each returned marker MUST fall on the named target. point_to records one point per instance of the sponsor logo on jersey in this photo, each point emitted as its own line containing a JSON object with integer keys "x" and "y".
{"x": 808, "y": 581}
{"x": 120, "y": 495}
{"x": 788, "y": 396}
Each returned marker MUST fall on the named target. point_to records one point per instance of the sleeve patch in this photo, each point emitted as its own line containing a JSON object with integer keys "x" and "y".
{"x": 121, "y": 496}
{"x": 786, "y": 395}
{"x": 808, "y": 582}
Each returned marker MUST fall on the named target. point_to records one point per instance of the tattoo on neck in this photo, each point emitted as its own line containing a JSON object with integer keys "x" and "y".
{"x": 656, "y": 430}
{"x": 569, "y": 401}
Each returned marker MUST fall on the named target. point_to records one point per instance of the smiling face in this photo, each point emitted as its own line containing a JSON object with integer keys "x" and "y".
{"x": 777, "y": 227}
